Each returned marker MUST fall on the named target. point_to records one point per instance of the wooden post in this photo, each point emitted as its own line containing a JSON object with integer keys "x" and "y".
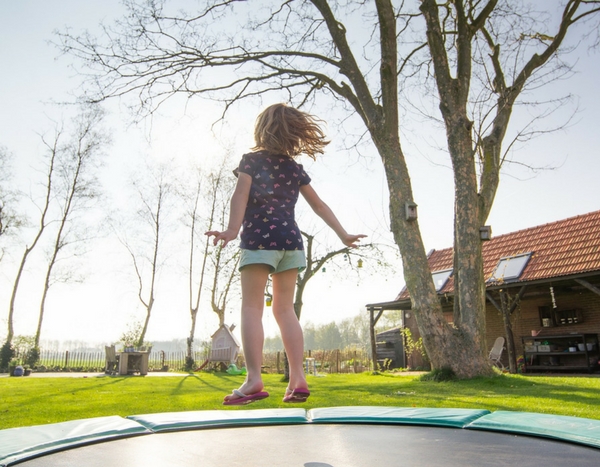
{"x": 66, "y": 358}
{"x": 373, "y": 342}
{"x": 372, "y": 322}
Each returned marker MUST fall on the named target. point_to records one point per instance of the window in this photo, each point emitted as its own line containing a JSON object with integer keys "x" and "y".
{"x": 510, "y": 268}
{"x": 440, "y": 278}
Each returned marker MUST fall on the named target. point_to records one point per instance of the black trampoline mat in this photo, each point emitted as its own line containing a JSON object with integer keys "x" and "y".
{"x": 326, "y": 445}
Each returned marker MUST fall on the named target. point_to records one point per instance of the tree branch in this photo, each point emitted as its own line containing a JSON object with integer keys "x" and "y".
{"x": 507, "y": 95}
{"x": 364, "y": 103}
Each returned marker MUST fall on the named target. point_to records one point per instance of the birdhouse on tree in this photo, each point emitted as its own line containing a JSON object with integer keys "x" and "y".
{"x": 225, "y": 347}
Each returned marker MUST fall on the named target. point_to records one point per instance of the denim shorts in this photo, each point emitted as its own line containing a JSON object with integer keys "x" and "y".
{"x": 278, "y": 260}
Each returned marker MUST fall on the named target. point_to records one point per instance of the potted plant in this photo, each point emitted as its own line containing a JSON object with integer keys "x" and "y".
{"x": 12, "y": 366}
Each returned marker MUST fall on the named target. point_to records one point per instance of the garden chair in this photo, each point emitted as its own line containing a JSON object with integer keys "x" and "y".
{"x": 112, "y": 360}
{"x": 496, "y": 352}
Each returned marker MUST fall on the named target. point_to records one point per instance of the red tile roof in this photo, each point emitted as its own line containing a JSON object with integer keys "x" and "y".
{"x": 563, "y": 248}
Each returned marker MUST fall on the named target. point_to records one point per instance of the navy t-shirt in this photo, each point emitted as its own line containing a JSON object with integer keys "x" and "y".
{"x": 269, "y": 221}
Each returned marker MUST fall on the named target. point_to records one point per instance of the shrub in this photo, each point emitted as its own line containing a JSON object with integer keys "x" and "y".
{"x": 32, "y": 357}
{"x": 190, "y": 364}
{"x": 439, "y": 375}
{"x": 7, "y": 352}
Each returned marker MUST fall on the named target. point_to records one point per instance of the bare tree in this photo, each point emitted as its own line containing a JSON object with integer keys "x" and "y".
{"x": 42, "y": 224}
{"x": 508, "y": 305}
{"x": 75, "y": 188}
{"x": 155, "y": 191}
{"x": 195, "y": 286}
{"x": 68, "y": 184}
{"x": 484, "y": 52}
{"x": 224, "y": 260}
{"x": 224, "y": 265}
{"x": 205, "y": 209}
{"x": 318, "y": 259}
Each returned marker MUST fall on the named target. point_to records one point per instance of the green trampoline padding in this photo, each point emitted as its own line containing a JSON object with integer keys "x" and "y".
{"x": 456, "y": 418}
{"x": 219, "y": 418}
{"x": 17, "y": 444}
{"x": 574, "y": 429}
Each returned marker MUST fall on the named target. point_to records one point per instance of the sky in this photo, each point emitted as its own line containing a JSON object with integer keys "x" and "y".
{"x": 35, "y": 78}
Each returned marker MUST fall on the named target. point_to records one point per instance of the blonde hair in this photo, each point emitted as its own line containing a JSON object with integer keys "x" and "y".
{"x": 285, "y": 130}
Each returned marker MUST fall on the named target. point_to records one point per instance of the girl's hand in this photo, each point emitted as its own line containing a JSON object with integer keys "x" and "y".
{"x": 224, "y": 237}
{"x": 351, "y": 240}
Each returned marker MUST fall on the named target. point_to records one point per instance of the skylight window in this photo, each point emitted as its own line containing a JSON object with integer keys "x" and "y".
{"x": 510, "y": 268}
{"x": 440, "y": 278}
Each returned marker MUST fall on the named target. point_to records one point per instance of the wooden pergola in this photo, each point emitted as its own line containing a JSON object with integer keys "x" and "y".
{"x": 375, "y": 312}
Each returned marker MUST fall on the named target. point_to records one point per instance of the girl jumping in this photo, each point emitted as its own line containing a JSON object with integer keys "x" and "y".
{"x": 263, "y": 204}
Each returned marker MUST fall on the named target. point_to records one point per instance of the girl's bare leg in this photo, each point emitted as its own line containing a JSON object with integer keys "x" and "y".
{"x": 284, "y": 285}
{"x": 253, "y": 280}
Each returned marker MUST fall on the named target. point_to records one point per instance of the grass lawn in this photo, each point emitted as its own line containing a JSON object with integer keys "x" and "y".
{"x": 35, "y": 401}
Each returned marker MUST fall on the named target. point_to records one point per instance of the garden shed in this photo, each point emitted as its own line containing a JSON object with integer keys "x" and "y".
{"x": 225, "y": 347}
{"x": 548, "y": 278}
{"x": 390, "y": 349}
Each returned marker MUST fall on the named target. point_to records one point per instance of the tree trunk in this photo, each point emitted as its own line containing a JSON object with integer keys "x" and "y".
{"x": 194, "y": 306}
{"x": 147, "y": 319}
{"x": 190, "y": 339}
{"x": 13, "y": 296}
{"x": 510, "y": 339}
{"x": 38, "y": 331}
{"x": 446, "y": 347}
{"x": 469, "y": 286}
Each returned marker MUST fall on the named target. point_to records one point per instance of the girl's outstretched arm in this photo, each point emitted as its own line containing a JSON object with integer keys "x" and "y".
{"x": 325, "y": 213}
{"x": 237, "y": 208}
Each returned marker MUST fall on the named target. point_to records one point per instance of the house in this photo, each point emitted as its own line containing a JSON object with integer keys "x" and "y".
{"x": 225, "y": 347}
{"x": 548, "y": 278}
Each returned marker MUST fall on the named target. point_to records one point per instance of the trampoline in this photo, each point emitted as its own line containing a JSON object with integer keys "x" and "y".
{"x": 322, "y": 437}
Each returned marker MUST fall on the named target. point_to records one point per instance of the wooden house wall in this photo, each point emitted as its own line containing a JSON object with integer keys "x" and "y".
{"x": 526, "y": 318}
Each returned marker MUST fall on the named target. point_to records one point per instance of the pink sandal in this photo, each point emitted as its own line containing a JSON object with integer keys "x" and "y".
{"x": 243, "y": 399}
{"x": 296, "y": 395}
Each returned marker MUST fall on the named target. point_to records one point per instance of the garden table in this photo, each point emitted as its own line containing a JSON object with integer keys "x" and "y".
{"x": 133, "y": 362}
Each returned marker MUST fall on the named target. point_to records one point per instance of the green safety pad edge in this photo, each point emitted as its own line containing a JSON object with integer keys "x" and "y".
{"x": 456, "y": 418}
{"x": 219, "y": 418}
{"x": 573, "y": 429}
{"x": 18, "y": 444}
